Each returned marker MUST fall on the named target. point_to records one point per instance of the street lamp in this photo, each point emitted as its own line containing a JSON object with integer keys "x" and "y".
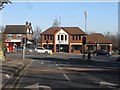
{"x": 84, "y": 38}
{"x": 85, "y": 14}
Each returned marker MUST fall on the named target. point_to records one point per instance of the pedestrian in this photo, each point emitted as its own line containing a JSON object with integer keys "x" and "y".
{"x": 89, "y": 56}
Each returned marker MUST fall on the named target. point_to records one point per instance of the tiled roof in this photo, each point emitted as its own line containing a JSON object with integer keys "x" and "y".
{"x": 98, "y": 38}
{"x": 70, "y": 30}
{"x": 15, "y": 29}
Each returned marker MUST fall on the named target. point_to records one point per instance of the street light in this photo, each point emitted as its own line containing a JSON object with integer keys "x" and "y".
{"x": 2, "y": 2}
{"x": 84, "y": 38}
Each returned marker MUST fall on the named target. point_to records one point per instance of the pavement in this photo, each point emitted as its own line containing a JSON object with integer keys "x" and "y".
{"x": 11, "y": 67}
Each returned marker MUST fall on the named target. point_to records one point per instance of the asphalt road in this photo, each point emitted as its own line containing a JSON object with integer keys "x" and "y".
{"x": 67, "y": 71}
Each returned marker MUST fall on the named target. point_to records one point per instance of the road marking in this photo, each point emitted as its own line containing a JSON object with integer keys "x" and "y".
{"x": 38, "y": 87}
{"x": 62, "y": 71}
{"x": 107, "y": 83}
{"x": 42, "y": 62}
{"x": 18, "y": 78}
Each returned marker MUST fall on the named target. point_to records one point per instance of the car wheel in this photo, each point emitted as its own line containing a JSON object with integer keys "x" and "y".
{"x": 46, "y": 52}
{"x": 108, "y": 55}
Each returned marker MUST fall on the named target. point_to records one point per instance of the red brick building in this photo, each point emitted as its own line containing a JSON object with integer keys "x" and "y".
{"x": 64, "y": 39}
{"x": 97, "y": 41}
{"x": 13, "y": 35}
{"x": 69, "y": 39}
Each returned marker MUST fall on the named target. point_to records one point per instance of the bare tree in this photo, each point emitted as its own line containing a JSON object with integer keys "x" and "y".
{"x": 114, "y": 38}
{"x": 36, "y": 34}
{"x": 57, "y": 22}
{"x": 1, "y": 29}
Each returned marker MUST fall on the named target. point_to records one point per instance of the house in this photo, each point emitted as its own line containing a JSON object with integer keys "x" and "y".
{"x": 13, "y": 35}
{"x": 63, "y": 39}
{"x": 69, "y": 39}
{"x": 96, "y": 41}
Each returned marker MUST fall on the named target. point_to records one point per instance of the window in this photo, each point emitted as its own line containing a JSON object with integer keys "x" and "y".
{"x": 10, "y": 36}
{"x": 76, "y": 37}
{"x": 50, "y": 37}
{"x": 65, "y": 37}
{"x": 45, "y": 37}
{"x": 73, "y": 37}
{"x": 58, "y": 37}
{"x": 79, "y": 37}
{"x": 62, "y": 37}
{"x": 19, "y": 36}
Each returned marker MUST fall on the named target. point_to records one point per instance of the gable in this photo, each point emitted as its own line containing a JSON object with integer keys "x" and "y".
{"x": 69, "y": 30}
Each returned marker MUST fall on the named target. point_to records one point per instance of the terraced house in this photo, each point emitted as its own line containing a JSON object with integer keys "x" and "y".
{"x": 69, "y": 39}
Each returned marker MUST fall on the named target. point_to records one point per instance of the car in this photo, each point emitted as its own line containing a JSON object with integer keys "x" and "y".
{"x": 118, "y": 58}
{"x": 43, "y": 50}
{"x": 102, "y": 52}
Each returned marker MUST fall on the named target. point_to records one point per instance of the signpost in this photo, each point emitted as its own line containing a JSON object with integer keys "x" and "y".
{"x": 83, "y": 43}
{"x": 24, "y": 45}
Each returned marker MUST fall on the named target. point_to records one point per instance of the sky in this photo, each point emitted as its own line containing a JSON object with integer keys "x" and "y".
{"x": 102, "y": 17}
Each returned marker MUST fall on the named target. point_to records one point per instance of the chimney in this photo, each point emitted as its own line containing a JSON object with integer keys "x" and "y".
{"x": 29, "y": 24}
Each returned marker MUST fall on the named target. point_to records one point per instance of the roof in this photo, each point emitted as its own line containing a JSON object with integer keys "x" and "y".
{"x": 70, "y": 30}
{"x": 98, "y": 38}
{"x": 15, "y": 29}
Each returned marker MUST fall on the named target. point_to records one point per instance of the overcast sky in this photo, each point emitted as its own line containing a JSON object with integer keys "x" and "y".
{"x": 102, "y": 16}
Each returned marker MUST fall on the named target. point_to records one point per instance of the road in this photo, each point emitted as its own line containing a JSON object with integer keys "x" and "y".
{"x": 67, "y": 71}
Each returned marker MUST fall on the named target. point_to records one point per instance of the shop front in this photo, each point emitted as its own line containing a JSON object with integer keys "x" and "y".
{"x": 12, "y": 45}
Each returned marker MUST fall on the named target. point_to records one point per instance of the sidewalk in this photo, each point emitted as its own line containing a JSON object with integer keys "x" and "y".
{"x": 10, "y": 67}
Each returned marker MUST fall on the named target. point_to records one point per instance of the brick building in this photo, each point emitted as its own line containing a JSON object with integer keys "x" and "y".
{"x": 64, "y": 39}
{"x": 69, "y": 39}
{"x": 13, "y": 35}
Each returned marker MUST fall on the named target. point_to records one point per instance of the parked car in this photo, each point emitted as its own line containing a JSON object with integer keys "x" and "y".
{"x": 101, "y": 52}
{"x": 118, "y": 58}
{"x": 43, "y": 50}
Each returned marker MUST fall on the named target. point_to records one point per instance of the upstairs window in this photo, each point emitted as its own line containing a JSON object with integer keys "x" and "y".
{"x": 79, "y": 37}
{"x": 62, "y": 37}
{"x": 73, "y": 37}
{"x": 48, "y": 37}
{"x": 45, "y": 37}
{"x": 76, "y": 37}
{"x": 65, "y": 37}
{"x": 19, "y": 36}
{"x": 10, "y": 36}
{"x": 58, "y": 37}
{"x": 51, "y": 37}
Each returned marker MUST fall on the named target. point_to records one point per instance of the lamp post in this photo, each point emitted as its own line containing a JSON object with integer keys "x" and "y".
{"x": 84, "y": 38}
{"x": 85, "y": 14}
{"x": 59, "y": 31}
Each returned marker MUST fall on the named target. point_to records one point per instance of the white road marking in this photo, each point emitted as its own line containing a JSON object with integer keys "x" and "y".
{"x": 42, "y": 62}
{"x": 62, "y": 72}
{"x": 8, "y": 76}
{"x": 37, "y": 87}
{"x": 107, "y": 83}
